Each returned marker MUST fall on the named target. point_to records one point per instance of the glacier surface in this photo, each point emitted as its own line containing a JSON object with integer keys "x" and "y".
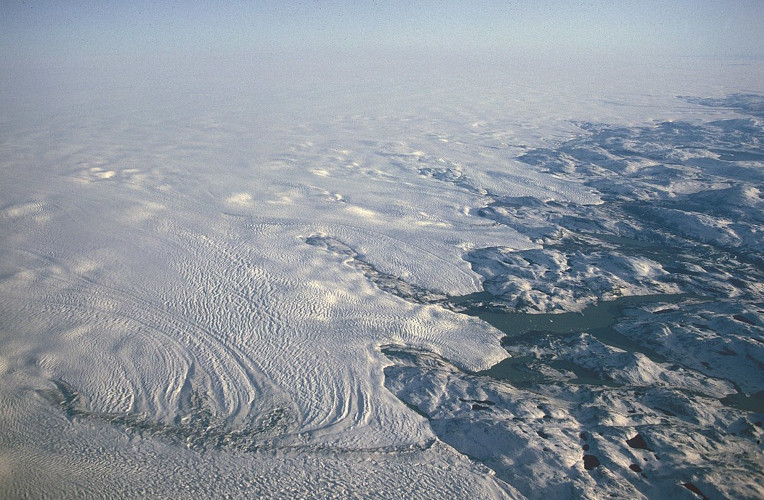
{"x": 499, "y": 284}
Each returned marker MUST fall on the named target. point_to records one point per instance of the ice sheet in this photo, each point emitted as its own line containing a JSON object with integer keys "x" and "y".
{"x": 166, "y": 326}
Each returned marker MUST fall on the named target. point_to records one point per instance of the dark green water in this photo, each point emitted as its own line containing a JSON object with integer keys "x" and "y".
{"x": 597, "y": 320}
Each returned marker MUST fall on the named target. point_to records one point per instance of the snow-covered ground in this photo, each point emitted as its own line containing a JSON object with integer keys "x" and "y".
{"x": 220, "y": 284}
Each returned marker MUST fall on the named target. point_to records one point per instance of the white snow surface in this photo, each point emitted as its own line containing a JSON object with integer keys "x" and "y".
{"x": 166, "y": 331}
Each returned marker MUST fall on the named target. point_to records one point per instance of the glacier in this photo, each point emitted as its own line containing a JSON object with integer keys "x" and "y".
{"x": 512, "y": 282}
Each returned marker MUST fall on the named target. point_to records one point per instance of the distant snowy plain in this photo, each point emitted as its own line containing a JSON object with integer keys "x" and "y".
{"x": 218, "y": 284}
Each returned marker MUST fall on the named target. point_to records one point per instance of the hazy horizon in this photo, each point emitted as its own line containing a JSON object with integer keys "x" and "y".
{"x": 75, "y": 31}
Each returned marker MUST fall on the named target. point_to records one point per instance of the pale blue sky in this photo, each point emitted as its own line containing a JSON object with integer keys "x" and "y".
{"x": 73, "y": 29}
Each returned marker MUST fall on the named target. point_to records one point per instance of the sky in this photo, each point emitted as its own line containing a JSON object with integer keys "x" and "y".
{"x": 71, "y": 30}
